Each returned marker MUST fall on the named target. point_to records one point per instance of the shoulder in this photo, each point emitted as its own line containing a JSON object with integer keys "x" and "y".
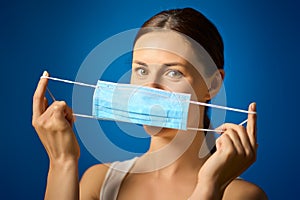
{"x": 92, "y": 180}
{"x": 241, "y": 189}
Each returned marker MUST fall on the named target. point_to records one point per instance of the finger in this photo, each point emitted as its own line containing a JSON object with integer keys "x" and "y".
{"x": 69, "y": 115}
{"x": 38, "y": 98}
{"x": 62, "y": 114}
{"x": 65, "y": 111}
{"x": 241, "y": 133}
{"x": 45, "y": 103}
{"x": 236, "y": 140}
{"x": 225, "y": 145}
{"x": 251, "y": 125}
{"x": 225, "y": 127}
{"x": 59, "y": 109}
{"x": 50, "y": 111}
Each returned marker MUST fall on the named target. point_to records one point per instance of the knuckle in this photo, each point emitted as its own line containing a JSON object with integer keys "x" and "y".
{"x": 59, "y": 105}
{"x": 33, "y": 123}
{"x": 55, "y": 103}
{"x": 240, "y": 128}
{"x": 62, "y": 103}
{"x": 38, "y": 123}
{"x": 226, "y": 125}
{"x": 227, "y": 131}
{"x": 48, "y": 125}
{"x": 55, "y": 108}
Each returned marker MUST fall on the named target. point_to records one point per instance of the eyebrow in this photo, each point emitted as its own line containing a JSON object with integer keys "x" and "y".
{"x": 140, "y": 63}
{"x": 174, "y": 64}
{"x": 165, "y": 65}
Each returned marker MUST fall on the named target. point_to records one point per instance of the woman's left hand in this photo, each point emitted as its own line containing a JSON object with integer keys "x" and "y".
{"x": 236, "y": 151}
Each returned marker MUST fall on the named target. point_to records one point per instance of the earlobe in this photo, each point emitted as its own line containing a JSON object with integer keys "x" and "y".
{"x": 216, "y": 83}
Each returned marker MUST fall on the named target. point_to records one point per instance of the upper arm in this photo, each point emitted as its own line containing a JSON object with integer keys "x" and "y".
{"x": 91, "y": 182}
{"x": 240, "y": 189}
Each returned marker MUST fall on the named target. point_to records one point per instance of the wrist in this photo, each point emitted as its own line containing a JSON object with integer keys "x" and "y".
{"x": 63, "y": 164}
{"x": 63, "y": 180}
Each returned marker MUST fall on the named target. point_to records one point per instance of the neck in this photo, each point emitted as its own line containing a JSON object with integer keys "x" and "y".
{"x": 170, "y": 155}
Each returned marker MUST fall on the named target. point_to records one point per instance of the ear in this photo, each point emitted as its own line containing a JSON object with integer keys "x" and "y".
{"x": 215, "y": 84}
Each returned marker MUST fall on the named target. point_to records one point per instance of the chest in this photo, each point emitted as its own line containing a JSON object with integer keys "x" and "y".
{"x": 136, "y": 187}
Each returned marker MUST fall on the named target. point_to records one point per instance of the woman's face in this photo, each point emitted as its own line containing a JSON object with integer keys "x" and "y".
{"x": 163, "y": 69}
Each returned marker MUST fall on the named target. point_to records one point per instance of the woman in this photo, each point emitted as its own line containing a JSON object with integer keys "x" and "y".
{"x": 166, "y": 58}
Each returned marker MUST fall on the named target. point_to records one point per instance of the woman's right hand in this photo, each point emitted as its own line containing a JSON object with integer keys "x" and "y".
{"x": 53, "y": 125}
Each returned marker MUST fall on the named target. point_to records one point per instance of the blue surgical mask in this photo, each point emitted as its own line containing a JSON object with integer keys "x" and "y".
{"x": 142, "y": 105}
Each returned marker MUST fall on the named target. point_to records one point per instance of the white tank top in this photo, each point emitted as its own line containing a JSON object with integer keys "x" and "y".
{"x": 114, "y": 177}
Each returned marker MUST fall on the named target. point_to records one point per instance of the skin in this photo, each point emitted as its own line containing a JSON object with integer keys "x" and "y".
{"x": 211, "y": 177}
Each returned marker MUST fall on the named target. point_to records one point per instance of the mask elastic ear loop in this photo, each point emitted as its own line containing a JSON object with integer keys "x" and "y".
{"x": 204, "y": 129}
{"x": 192, "y": 102}
{"x": 71, "y": 82}
{"x": 214, "y": 130}
{"x": 222, "y": 107}
{"x": 244, "y": 122}
{"x": 51, "y": 95}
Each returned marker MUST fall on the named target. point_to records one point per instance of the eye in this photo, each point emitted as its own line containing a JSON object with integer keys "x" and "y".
{"x": 174, "y": 74}
{"x": 141, "y": 71}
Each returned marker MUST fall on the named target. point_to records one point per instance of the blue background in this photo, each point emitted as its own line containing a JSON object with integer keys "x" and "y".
{"x": 262, "y": 64}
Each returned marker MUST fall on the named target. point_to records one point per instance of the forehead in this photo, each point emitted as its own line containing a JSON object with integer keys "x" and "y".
{"x": 175, "y": 45}
{"x": 157, "y": 56}
{"x": 168, "y": 42}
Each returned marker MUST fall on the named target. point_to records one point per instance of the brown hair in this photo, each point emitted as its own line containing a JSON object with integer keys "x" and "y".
{"x": 194, "y": 24}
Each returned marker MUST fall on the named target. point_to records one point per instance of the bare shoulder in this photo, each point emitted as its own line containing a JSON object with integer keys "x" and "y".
{"x": 241, "y": 189}
{"x": 92, "y": 180}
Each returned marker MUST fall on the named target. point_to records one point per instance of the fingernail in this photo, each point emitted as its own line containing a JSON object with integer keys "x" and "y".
{"x": 253, "y": 106}
{"x": 45, "y": 73}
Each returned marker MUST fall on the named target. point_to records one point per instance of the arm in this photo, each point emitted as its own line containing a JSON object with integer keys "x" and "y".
{"x": 243, "y": 190}
{"x": 236, "y": 190}
{"x": 236, "y": 151}
{"x": 53, "y": 125}
{"x": 91, "y": 182}
{"x": 62, "y": 181}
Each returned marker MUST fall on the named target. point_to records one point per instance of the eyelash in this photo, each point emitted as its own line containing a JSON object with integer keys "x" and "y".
{"x": 138, "y": 69}
{"x": 177, "y": 72}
